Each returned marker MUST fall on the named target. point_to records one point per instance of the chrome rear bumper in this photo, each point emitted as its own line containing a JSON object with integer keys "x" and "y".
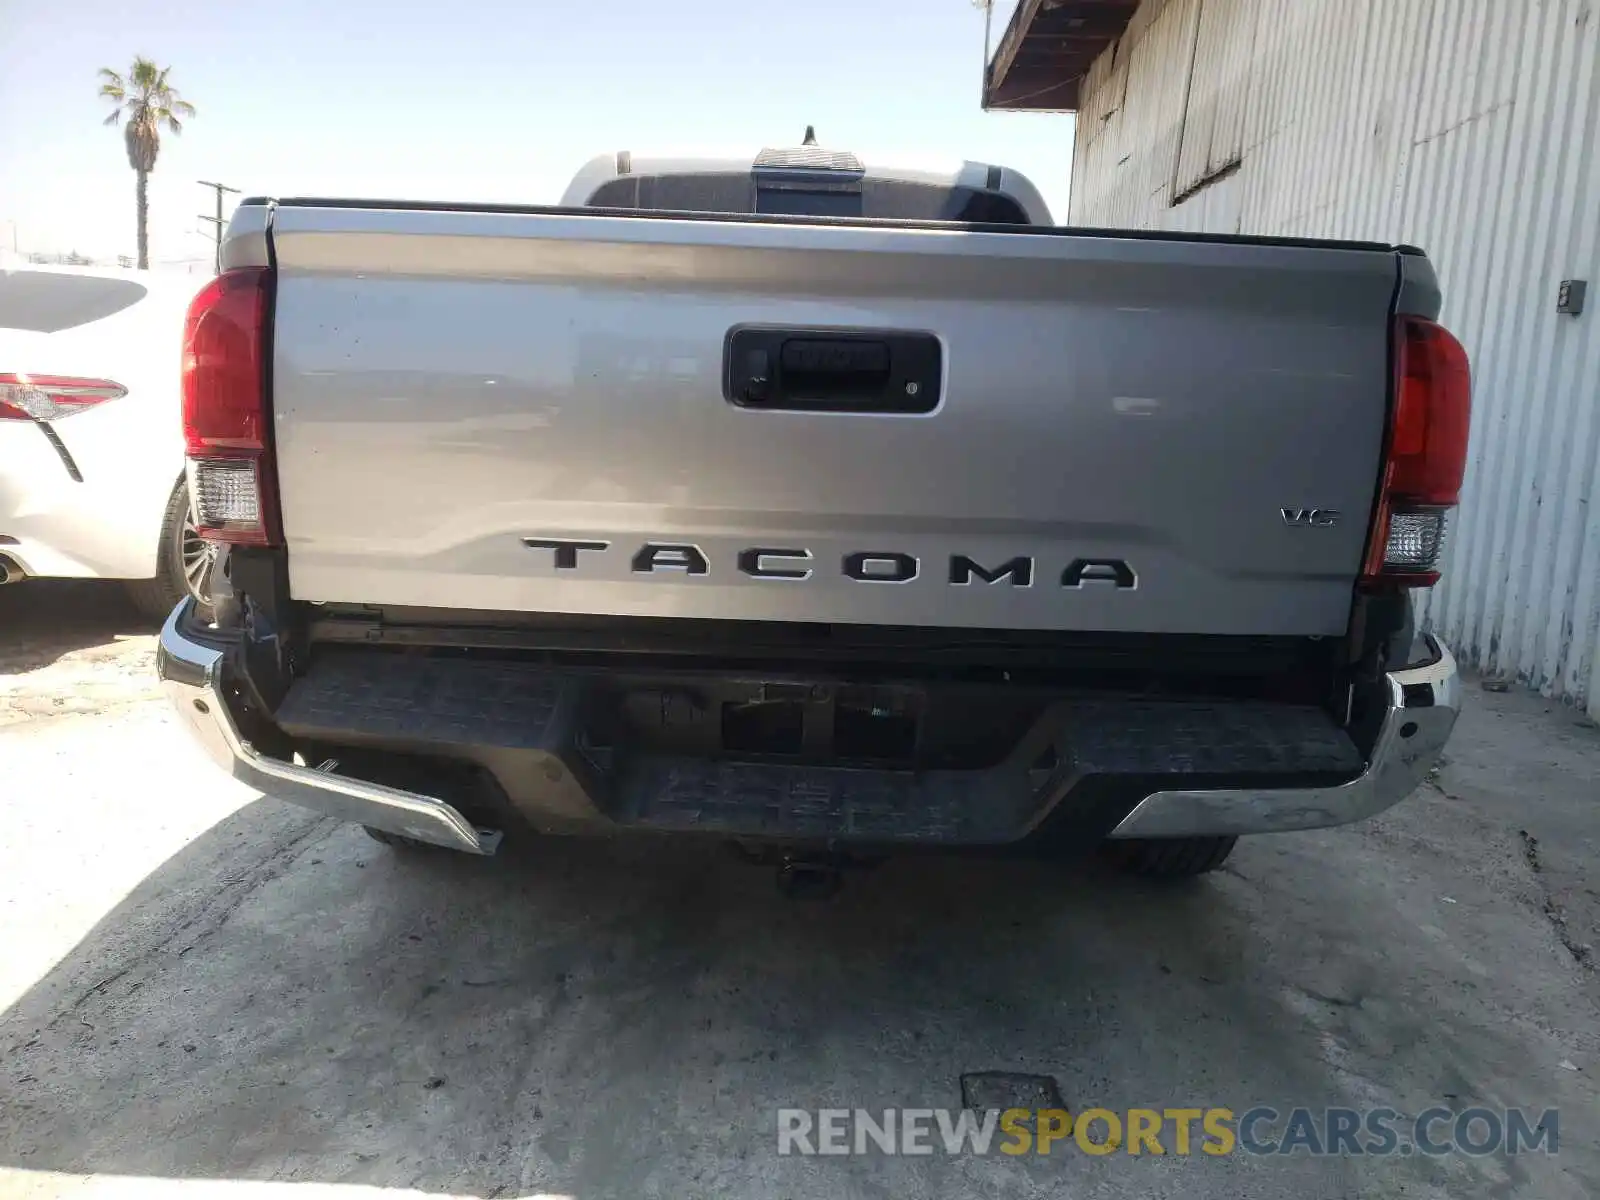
{"x": 1421, "y": 710}
{"x": 190, "y": 674}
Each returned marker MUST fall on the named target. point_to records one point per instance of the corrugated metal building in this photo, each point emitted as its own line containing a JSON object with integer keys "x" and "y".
{"x": 1468, "y": 127}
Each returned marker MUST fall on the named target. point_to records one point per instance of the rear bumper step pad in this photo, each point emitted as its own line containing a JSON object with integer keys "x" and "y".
{"x": 525, "y": 724}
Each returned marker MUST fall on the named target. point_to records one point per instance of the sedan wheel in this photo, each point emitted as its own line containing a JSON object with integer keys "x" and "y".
{"x": 197, "y": 557}
{"x": 186, "y": 564}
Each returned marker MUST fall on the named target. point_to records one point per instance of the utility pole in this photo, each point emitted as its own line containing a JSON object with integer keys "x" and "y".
{"x": 217, "y": 221}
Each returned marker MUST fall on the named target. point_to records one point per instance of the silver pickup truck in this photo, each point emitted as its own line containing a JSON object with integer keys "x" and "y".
{"x": 825, "y": 510}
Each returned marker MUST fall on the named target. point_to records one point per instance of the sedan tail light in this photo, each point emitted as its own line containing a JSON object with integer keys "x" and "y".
{"x": 25, "y": 397}
{"x": 232, "y": 480}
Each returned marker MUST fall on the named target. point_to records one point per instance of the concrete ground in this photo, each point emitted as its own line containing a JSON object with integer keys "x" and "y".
{"x": 208, "y": 993}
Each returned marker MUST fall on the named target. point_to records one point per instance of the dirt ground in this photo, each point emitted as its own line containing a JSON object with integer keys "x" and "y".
{"x": 206, "y": 993}
{"x": 71, "y": 648}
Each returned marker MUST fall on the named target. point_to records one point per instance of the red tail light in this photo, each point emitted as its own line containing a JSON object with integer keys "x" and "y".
{"x": 25, "y": 397}
{"x": 1426, "y": 455}
{"x": 232, "y": 479}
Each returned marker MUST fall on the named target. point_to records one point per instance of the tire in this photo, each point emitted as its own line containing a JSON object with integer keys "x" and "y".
{"x": 1170, "y": 858}
{"x": 157, "y": 597}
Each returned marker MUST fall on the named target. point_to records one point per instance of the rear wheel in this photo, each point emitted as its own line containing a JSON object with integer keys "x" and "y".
{"x": 1169, "y": 858}
{"x": 185, "y": 563}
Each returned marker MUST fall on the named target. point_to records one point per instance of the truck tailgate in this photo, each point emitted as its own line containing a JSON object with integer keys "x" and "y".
{"x": 1130, "y": 434}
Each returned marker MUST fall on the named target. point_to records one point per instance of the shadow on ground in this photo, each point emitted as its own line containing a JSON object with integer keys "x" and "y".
{"x": 286, "y": 1000}
{"x": 599, "y": 1019}
{"x": 43, "y": 619}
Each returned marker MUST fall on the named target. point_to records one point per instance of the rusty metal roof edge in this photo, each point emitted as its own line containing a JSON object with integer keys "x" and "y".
{"x": 1061, "y": 94}
{"x": 1068, "y": 102}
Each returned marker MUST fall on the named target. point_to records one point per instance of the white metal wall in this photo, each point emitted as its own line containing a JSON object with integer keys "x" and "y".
{"x": 1468, "y": 127}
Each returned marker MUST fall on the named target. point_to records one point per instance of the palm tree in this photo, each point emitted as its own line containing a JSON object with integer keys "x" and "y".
{"x": 148, "y": 103}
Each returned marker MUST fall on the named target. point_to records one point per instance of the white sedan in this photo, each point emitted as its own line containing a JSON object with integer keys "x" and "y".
{"x": 91, "y": 437}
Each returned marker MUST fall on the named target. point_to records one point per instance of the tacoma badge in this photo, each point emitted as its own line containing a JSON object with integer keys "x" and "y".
{"x": 863, "y": 566}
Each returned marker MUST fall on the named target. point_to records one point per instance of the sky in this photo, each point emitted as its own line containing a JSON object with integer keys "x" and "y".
{"x": 490, "y": 100}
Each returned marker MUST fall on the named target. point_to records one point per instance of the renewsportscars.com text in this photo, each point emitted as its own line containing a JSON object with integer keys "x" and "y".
{"x": 1215, "y": 1131}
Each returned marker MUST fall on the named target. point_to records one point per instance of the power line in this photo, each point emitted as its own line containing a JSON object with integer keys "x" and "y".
{"x": 216, "y": 221}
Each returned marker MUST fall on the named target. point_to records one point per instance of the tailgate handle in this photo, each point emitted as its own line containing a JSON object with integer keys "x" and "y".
{"x": 840, "y": 362}
{"x": 862, "y": 371}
